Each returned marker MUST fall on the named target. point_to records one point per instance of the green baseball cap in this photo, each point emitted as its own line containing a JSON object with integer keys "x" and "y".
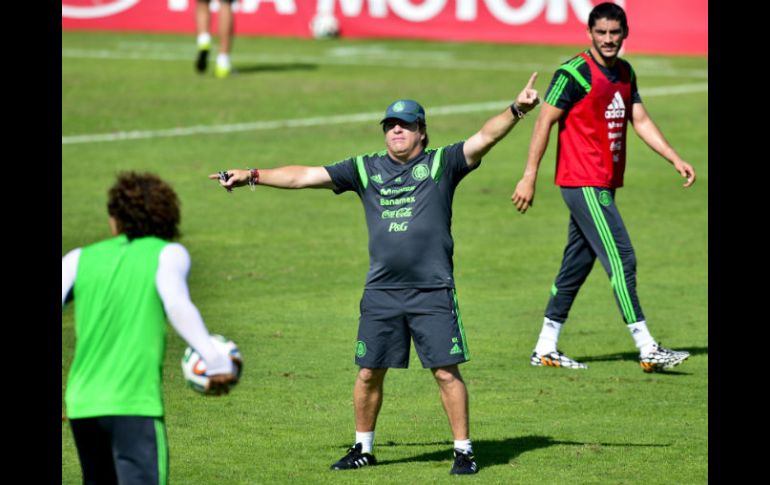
{"x": 407, "y": 110}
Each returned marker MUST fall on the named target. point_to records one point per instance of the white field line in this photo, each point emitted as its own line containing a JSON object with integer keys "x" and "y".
{"x": 327, "y": 120}
{"x": 373, "y": 57}
{"x": 414, "y": 62}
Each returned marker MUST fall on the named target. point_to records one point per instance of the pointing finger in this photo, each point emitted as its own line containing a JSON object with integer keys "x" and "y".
{"x": 532, "y": 79}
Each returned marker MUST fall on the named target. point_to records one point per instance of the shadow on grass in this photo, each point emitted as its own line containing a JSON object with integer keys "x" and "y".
{"x": 634, "y": 356}
{"x": 498, "y": 452}
{"x": 257, "y": 68}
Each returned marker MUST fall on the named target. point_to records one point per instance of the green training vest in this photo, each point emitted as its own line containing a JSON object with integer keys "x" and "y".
{"x": 120, "y": 328}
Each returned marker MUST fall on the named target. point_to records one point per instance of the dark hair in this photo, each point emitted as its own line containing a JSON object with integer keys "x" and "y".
{"x": 424, "y": 128}
{"x": 609, "y": 11}
{"x": 144, "y": 205}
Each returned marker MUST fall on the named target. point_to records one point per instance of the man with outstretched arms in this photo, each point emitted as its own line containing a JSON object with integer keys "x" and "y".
{"x": 593, "y": 97}
{"x": 407, "y": 192}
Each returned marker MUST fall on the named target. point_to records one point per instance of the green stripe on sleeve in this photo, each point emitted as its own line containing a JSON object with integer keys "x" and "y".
{"x": 362, "y": 171}
{"x": 438, "y": 165}
{"x": 558, "y": 88}
{"x": 576, "y": 62}
{"x": 572, "y": 70}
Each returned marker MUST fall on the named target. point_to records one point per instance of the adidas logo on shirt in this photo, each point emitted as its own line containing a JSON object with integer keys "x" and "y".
{"x": 616, "y": 109}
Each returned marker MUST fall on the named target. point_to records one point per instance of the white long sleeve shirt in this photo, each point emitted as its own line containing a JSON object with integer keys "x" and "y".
{"x": 171, "y": 283}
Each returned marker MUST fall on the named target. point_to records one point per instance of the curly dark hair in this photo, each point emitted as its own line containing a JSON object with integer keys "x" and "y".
{"x": 143, "y": 204}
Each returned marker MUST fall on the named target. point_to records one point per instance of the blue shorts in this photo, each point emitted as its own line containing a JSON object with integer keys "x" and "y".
{"x": 390, "y": 319}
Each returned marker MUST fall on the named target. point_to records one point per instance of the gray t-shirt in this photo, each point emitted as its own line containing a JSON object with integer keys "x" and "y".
{"x": 408, "y": 211}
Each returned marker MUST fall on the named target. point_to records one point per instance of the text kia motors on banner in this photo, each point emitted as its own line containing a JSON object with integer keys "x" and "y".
{"x": 656, "y": 26}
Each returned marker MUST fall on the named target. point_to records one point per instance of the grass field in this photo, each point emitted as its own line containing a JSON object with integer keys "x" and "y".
{"x": 282, "y": 272}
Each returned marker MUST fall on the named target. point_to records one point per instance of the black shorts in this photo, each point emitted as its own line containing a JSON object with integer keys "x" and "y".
{"x": 122, "y": 449}
{"x": 391, "y": 318}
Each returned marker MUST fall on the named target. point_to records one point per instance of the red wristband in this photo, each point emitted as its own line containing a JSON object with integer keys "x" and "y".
{"x": 254, "y": 176}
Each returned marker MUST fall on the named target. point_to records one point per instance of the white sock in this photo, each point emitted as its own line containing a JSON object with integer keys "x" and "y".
{"x": 204, "y": 39}
{"x": 464, "y": 445}
{"x": 366, "y": 439}
{"x": 223, "y": 60}
{"x": 642, "y": 338}
{"x": 549, "y": 336}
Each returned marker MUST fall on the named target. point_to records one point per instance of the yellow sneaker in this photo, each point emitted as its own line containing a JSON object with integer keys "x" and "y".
{"x": 222, "y": 72}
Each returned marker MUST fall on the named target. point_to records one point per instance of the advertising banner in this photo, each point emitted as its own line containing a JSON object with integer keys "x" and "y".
{"x": 656, "y": 26}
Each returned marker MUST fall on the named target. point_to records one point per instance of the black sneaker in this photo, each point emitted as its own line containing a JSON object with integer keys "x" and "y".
{"x": 355, "y": 459}
{"x": 464, "y": 463}
{"x": 202, "y": 61}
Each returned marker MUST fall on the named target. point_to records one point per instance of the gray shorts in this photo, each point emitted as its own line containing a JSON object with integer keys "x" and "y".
{"x": 391, "y": 318}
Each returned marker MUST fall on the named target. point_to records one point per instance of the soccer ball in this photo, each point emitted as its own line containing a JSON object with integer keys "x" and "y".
{"x": 194, "y": 368}
{"x": 324, "y": 26}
